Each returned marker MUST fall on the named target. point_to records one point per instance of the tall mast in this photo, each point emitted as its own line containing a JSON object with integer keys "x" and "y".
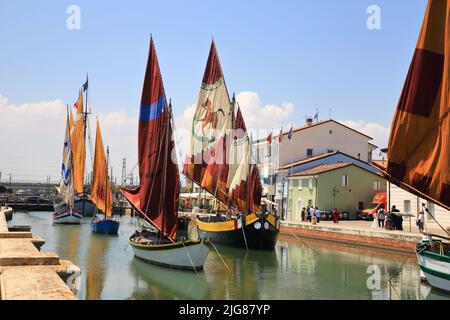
{"x": 71, "y": 157}
{"x": 106, "y": 169}
{"x": 86, "y": 112}
{"x": 249, "y": 173}
{"x": 166, "y": 139}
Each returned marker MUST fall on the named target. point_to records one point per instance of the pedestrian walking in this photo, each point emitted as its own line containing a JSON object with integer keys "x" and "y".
{"x": 318, "y": 214}
{"x": 388, "y": 221}
{"x": 397, "y": 219}
{"x": 335, "y": 216}
{"x": 420, "y": 221}
{"x": 304, "y": 214}
{"x": 381, "y": 216}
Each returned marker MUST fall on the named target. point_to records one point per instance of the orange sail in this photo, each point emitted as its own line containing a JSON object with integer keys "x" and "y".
{"x": 78, "y": 143}
{"x": 419, "y": 145}
{"x": 101, "y": 186}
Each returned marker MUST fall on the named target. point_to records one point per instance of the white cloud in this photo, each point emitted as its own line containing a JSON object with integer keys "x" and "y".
{"x": 260, "y": 119}
{"x": 379, "y": 133}
{"x": 31, "y": 136}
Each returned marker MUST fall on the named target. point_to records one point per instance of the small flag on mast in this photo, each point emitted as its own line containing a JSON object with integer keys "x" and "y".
{"x": 290, "y": 132}
{"x": 269, "y": 138}
{"x": 86, "y": 85}
{"x": 280, "y": 136}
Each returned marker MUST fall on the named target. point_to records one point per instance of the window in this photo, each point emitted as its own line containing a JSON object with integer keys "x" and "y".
{"x": 309, "y": 152}
{"x": 295, "y": 183}
{"x": 359, "y": 156}
{"x": 345, "y": 180}
{"x": 330, "y": 131}
{"x": 360, "y": 205}
{"x": 430, "y": 206}
{"x": 311, "y": 183}
{"x": 369, "y": 157}
{"x": 407, "y": 206}
{"x": 376, "y": 185}
{"x": 305, "y": 183}
{"x": 300, "y": 184}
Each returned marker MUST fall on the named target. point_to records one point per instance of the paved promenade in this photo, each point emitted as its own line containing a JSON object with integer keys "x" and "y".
{"x": 360, "y": 233}
{"x": 28, "y": 274}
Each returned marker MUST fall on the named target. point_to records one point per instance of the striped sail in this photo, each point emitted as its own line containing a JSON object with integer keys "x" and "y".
{"x": 156, "y": 198}
{"x": 419, "y": 145}
{"x": 66, "y": 189}
{"x": 244, "y": 186}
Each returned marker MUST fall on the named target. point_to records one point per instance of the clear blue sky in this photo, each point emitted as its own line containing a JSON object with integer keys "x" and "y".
{"x": 305, "y": 52}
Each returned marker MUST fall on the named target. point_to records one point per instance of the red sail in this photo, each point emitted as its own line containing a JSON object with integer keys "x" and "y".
{"x": 156, "y": 198}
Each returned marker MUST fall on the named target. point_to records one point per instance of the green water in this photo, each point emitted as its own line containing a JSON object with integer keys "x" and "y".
{"x": 294, "y": 270}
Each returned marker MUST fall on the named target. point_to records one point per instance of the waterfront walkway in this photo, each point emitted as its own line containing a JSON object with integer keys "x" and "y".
{"x": 360, "y": 233}
{"x": 28, "y": 274}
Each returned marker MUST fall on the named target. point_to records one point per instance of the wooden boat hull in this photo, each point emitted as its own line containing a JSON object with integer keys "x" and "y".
{"x": 259, "y": 232}
{"x": 107, "y": 227}
{"x": 181, "y": 255}
{"x": 435, "y": 267}
{"x": 85, "y": 206}
{"x": 67, "y": 217}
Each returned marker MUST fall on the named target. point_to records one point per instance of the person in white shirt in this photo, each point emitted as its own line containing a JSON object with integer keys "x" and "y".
{"x": 420, "y": 220}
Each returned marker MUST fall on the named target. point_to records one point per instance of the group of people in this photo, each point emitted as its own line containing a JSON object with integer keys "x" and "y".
{"x": 309, "y": 212}
{"x": 388, "y": 220}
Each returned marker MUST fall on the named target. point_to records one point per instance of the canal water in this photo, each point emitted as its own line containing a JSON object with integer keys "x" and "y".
{"x": 296, "y": 269}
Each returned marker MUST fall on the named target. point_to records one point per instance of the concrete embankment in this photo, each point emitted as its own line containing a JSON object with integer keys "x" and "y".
{"x": 375, "y": 238}
{"x": 28, "y": 274}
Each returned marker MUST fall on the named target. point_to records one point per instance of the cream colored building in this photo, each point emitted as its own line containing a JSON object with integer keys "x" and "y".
{"x": 408, "y": 203}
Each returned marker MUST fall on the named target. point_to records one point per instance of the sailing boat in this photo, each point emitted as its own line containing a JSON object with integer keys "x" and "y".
{"x": 83, "y": 203}
{"x": 64, "y": 211}
{"x": 101, "y": 190}
{"x": 221, "y": 164}
{"x": 156, "y": 199}
{"x": 419, "y": 144}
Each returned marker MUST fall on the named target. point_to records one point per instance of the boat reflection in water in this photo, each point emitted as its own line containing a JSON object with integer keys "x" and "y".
{"x": 248, "y": 274}
{"x": 157, "y": 282}
{"x": 96, "y": 270}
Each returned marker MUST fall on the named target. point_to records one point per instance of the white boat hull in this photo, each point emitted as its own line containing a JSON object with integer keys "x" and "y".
{"x": 437, "y": 272}
{"x": 67, "y": 217}
{"x": 188, "y": 256}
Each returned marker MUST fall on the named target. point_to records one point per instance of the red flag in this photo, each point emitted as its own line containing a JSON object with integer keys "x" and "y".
{"x": 269, "y": 138}
{"x": 281, "y": 137}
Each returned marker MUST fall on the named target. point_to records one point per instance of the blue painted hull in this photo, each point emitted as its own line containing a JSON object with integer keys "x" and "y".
{"x": 108, "y": 227}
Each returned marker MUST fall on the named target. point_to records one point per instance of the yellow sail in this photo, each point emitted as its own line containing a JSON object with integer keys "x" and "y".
{"x": 101, "y": 186}
{"x": 419, "y": 146}
{"x": 78, "y": 145}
